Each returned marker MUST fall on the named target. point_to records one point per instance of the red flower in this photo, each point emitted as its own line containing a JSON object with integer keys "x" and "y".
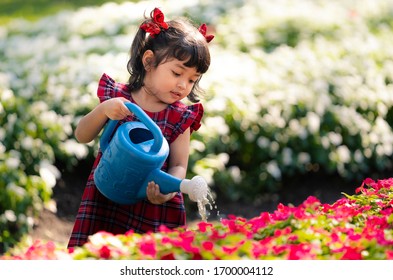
{"x": 164, "y": 229}
{"x": 202, "y": 226}
{"x": 351, "y": 253}
{"x": 208, "y": 245}
{"x": 300, "y": 252}
{"x": 105, "y": 252}
{"x": 148, "y": 248}
{"x": 229, "y": 250}
{"x": 389, "y": 254}
{"x": 169, "y": 256}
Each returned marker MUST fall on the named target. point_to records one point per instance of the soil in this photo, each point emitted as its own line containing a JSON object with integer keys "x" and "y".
{"x": 68, "y": 192}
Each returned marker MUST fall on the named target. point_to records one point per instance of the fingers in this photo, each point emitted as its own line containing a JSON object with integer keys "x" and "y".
{"x": 152, "y": 190}
{"x": 124, "y": 108}
{"x": 115, "y": 108}
{"x": 154, "y": 195}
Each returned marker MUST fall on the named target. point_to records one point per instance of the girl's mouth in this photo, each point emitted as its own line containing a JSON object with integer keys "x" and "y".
{"x": 175, "y": 94}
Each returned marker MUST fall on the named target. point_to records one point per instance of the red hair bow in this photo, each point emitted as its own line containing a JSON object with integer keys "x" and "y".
{"x": 203, "y": 29}
{"x": 157, "y": 22}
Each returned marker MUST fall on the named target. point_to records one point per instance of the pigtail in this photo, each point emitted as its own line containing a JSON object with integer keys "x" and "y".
{"x": 135, "y": 66}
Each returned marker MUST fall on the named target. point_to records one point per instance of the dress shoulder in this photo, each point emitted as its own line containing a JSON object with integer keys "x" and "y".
{"x": 109, "y": 88}
{"x": 186, "y": 116}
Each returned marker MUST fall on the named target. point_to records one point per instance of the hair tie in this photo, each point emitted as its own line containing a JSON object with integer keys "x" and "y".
{"x": 202, "y": 29}
{"x": 157, "y": 22}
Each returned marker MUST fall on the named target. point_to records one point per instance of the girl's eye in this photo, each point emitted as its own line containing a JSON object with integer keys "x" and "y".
{"x": 176, "y": 74}
{"x": 192, "y": 82}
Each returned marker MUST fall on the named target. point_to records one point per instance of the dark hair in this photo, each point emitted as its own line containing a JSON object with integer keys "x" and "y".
{"x": 182, "y": 41}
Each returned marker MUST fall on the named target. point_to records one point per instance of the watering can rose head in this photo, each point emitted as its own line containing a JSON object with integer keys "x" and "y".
{"x": 196, "y": 188}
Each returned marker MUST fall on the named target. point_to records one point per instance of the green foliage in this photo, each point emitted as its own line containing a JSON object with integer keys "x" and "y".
{"x": 36, "y": 9}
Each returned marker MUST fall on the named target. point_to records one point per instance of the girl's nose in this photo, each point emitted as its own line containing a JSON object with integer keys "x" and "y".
{"x": 181, "y": 84}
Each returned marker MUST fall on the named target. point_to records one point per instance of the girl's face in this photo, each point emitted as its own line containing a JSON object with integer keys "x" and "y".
{"x": 170, "y": 81}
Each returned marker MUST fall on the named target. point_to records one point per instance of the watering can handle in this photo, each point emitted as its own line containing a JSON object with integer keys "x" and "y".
{"x": 145, "y": 119}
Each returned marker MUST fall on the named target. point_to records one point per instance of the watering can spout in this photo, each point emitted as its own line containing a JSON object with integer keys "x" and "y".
{"x": 167, "y": 182}
{"x": 196, "y": 188}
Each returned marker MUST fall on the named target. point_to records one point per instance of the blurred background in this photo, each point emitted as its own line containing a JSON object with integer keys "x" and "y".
{"x": 299, "y": 102}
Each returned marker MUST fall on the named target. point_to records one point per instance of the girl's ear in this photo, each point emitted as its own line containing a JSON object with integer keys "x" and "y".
{"x": 147, "y": 59}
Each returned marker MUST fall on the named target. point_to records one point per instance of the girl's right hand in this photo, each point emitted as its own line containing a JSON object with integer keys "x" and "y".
{"x": 115, "y": 108}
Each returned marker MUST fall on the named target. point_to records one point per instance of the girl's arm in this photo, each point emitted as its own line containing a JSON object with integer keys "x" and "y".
{"x": 179, "y": 154}
{"x": 91, "y": 124}
{"x": 177, "y": 167}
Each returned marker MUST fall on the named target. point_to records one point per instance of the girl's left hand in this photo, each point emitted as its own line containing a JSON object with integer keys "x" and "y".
{"x": 155, "y": 196}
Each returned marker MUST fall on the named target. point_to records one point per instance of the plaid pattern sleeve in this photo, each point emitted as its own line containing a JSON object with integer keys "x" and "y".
{"x": 184, "y": 117}
{"x": 108, "y": 88}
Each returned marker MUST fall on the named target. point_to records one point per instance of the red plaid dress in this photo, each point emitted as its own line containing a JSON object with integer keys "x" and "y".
{"x": 97, "y": 213}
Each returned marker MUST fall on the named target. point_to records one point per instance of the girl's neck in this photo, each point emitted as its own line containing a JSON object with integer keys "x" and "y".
{"x": 147, "y": 101}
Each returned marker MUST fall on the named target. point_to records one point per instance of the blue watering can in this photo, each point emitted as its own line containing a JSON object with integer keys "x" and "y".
{"x": 133, "y": 156}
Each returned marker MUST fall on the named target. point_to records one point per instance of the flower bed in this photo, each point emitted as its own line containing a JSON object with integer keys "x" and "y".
{"x": 355, "y": 227}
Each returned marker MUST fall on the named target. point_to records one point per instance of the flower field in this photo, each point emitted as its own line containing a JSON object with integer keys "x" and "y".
{"x": 356, "y": 227}
{"x": 295, "y": 88}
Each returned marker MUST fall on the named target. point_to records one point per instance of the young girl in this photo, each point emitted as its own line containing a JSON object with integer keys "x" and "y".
{"x": 167, "y": 62}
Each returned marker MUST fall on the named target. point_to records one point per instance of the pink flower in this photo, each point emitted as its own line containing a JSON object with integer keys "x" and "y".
{"x": 105, "y": 252}
{"x": 229, "y": 250}
{"x": 389, "y": 254}
{"x": 351, "y": 253}
{"x": 260, "y": 222}
{"x": 207, "y": 245}
{"x": 203, "y": 226}
{"x": 293, "y": 238}
{"x": 279, "y": 249}
{"x": 148, "y": 248}
{"x": 300, "y": 252}
{"x": 164, "y": 229}
{"x": 166, "y": 240}
{"x": 311, "y": 202}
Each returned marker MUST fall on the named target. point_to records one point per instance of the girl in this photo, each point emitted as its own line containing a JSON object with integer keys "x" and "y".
{"x": 167, "y": 60}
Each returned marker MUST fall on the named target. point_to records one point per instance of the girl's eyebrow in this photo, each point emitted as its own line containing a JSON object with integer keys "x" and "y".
{"x": 184, "y": 67}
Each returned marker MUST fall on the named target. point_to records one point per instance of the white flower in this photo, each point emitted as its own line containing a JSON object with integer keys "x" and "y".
{"x": 6, "y": 94}
{"x": 27, "y": 143}
{"x": 303, "y": 158}
{"x": 235, "y": 173}
{"x": 10, "y": 215}
{"x": 74, "y": 148}
{"x": 344, "y": 154}
{"x": 287, "y": 156}
{"x": 263, "y": 142}
{"x": 197, "y": 145}
{"x": 217, "y": 124}
{"x": 313, "y": 122}
{"x": 12, "y": 162}
{"x": 274, "y": 170}
{"x": 49, "y": 173}
{"x": 335, "y": 138}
